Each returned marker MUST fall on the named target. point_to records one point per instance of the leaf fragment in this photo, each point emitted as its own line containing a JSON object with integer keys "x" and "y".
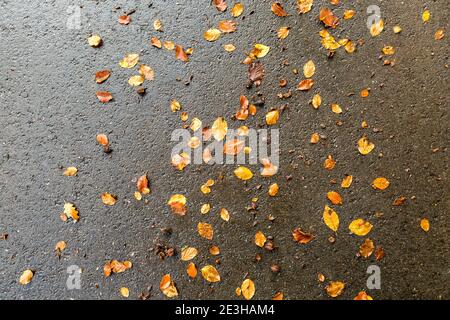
{"x": 366, "y": 249}
{"x": 301, "y": 237}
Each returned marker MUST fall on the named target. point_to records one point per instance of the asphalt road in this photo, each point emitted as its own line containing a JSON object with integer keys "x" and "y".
{"x": 49, "y": 118}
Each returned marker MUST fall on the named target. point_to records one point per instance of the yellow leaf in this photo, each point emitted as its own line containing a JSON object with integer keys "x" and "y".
{"x": 260, "y": 50}
{"x": 109, "y": 199}
{"x": 376, "y": 28}
{"x": 273, "y": 189}
{"x": 331, "y": 218}
{"x": 70, "y": 172}
{"x": 219, "y": 129}
{"x": 95, "y": 40}
{"x": 283, "y": 32}
{"x": 248, "y": 289}
{"x": 212, "y": 34}
{"x": 60, "y": 246}
{"x": 272, "y": 117}
{"x": 177, "y": 198}
{"x": 309, "y": 69}
{"x": 363, "y": 296}
{"x": 366, "y": 249}
{"x": 70, "y": 211}
{"x": 237, "y": 10}
{"x": 129, "y": 61}
{"x": 210, "y": 274}
{"x": 347, "y": 182}
{"x": 229, "y": 47}
{"x": 188, "y": 253}
{"x": 425, "y": 224}
{"x": 360, "y": 227}
{"x": 26, "y": 277}
{"x": 335, "y": 288}
{"x": 167, "y": 286}
{"x": 124, "y": 292}
{"x": 224, "y": 214}
{"x": 205, "y": 208}
{"x": 336, "y": 108}
{"x": 304, "y": 6}
{"x": 365, "y": 146}
{"x": 260, "y": 239}
{"x": 316, "y": 101}
{"x": 243, "y": 173}
{"x": 205, "y": 230}
{"x": 136, "y": 81}
{"x": 426, "y": 16}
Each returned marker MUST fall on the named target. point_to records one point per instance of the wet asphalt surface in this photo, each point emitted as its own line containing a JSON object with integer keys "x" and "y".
{"x": 49, "y": 118}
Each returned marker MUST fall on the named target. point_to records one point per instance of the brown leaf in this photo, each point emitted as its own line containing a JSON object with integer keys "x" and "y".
{"x": 366, "y": 249}
{"x": 301, "y": 237}
{"x": 278, "y": 10}
{"x": 256, "y": 73}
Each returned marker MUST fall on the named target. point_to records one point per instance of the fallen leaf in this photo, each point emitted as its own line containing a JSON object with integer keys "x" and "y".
{"x": 154, "y": 41}
{"x": 425, "y": 224}
{"x": 260, "y": 50}
{"x": 397, "y": 29}
{"x": 248, "y": 289}
{"x": 229, "y": 47}
{"x": 147, "y": 72}
{"x": 177, "y": 203}
{"x": 205, "y": 208}
{"x": 104, "y": 96}
{"x": 188, "y": 253}
{"x": 220, "y": 5}
{"x": 347, "y": 182}
{"x": 366, "y": 249}
{"x": 269, "y": 169}
{"x": 377, "y": 27}
{"x": 334, "y": 197}
{"x": 60, "y": 246}
{"x": 167, "y": 286}
{"x": 109, "y": 199}
{"x": 316, "y": 101}
{"x": 205, "y": 230}
{"x": 243, "y": 173}
{"x": 180, "y": 161}
{"x": 272, "y": 117}
{"x": 278, "y": 296}
{"x": 399, "y": 201}
{"x": 304, "y": 6}
{"x": 365, "y": 146}
{"x": 136, "y": 81}
{"x": 331, "y": 218}
{"x": 328, "y": 18}
{"x": 305, "y": 84}
{"x": 102, "y": 139}
{"x": 309, "y": 69}
{"x": 348, "y": 14}
{"x": 169, "y": 45}
{"x": 70, "y": 172}
{"x": 214, "y": 250}
{"x": 278, "y": 9}
{"x": 335, "y": 108}
{"x": 335, "y": 288}
{"x": 380, "y": 183}
{"x": 362, "y": 296}
{"x": 212, "y": 34}
{"x": 157, "y": 25}
{"x": 95, "y": 41}
{"x": 301, "y": 237}
{"x": 227, "y": 26}
{"x": 224, "y": 214}
{"x": 219, "y": 129}
{"x": 125, "y": 19}
{"x": 426, "y": 16}
{"x": 260, "y": 239}
{"x": 142, "y": 184}
{"x": 129, "y": 61}
{"x": 237, "y": 10}
{"x": 191, "y": 270}
{"x": 360, "y": 227}
{"x": 256, "y": 73}
{"x": 273, "y": 189}
{"x": 233, "y": 147}
{"x": 283, "y": 32}
{"x": 329, "y": 163}
{"x": 210, "y": 273}
{"x": 70, "y": 211}
{"x": 115, "y": 266}
{"x": 439, "y": 34}
{"x": 102, "y": 76}
{"x": 180, "y": 54}
{"x": 125, "y": 292}
{"x": 26, "y": 277}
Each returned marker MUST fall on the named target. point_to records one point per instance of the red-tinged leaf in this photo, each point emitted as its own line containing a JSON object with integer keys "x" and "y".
{"x": 180, "y": 54}
{"x": 104, "y": 96}
{"x": 102, "y": 76}
{"x": 278, "y": 10}
{"x": 221, "y": 5}
{"x": 125, "y": 19}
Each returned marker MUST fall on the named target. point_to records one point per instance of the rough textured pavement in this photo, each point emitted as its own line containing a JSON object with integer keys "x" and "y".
{"x": 49, "y": 118}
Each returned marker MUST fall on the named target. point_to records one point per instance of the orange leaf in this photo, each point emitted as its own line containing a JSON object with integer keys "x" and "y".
{"x": 278, "y": 10}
